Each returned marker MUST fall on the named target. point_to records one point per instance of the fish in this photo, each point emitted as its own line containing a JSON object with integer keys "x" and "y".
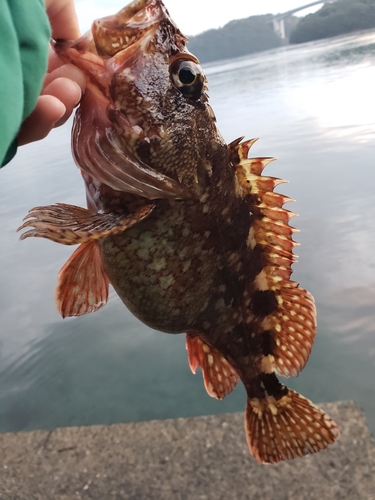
{"x": 186, "y": 228}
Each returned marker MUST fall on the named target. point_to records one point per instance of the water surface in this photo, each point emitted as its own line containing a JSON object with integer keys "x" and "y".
{"x": 313, "y": 107}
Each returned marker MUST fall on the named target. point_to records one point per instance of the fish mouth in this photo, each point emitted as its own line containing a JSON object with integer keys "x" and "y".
{"x": 120, "y": 44}
{"x": 115, "y": 33}
{"x": 113, "y": 41}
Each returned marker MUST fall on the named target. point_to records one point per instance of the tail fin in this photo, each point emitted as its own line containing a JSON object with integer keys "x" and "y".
{"x": 289, "y": 427}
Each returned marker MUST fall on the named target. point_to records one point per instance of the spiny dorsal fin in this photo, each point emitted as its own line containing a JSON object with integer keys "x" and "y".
{"x": 218, "y": 375}
{"x": 293, "y": 323}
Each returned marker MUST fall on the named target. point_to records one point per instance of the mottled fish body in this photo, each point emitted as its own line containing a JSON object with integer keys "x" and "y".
{"x": 185, "y": 227}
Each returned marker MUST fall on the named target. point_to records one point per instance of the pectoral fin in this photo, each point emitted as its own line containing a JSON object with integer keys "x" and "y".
{"x": 70, "y": 225}
{"x": 82, "y": 285}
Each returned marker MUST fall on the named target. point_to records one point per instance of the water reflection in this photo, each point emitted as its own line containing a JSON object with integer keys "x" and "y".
{"x": 313, "y": 107}
{"x": 102, "y": 368}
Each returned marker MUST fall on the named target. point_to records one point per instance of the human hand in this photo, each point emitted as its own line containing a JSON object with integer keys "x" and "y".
{"x": 63, "y": 84}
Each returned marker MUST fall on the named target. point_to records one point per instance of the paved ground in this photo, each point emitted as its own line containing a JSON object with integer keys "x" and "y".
{"x": 202, "y": 458}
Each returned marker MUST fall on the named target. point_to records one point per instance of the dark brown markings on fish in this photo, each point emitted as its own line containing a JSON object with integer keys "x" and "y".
{"x": 234, "y": 231}
{"x": 253, "y": 201}
{"x": 234, "y": 288}
{"x": 263, "y": 302}
{"x": 245, "y": 342}
{"x": 144, "y": 152}
{"x": 268, "y": 343}
{"x": 240, "y": 342}
{"x": 266, "y": 384}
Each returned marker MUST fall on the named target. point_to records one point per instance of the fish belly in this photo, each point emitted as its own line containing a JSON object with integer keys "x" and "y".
{"x": 162, "y": 271}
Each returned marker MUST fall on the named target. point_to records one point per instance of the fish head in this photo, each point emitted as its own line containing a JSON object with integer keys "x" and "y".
{"x": 153, "y": 90}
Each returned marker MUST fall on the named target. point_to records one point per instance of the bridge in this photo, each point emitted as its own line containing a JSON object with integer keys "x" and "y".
{"x": 278, "y": 19}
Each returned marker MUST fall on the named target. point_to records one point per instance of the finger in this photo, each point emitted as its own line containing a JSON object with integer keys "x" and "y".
{"x": 54, "y": 60}
{"x": 68, "y": 92}
{"x": 47, "y": 112}
{"x": 63, "y": 19}
{"x": 66, "y": 71}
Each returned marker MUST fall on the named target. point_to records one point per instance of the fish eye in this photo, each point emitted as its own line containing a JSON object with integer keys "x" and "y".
{"x": 188, "y": 77}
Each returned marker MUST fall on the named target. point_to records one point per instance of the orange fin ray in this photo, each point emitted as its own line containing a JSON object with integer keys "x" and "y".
{"x": 293, "y": 325}
{"x": 70, "y": 225}
{"x": 277, "y": 214}
{"x": 218, "y": 375}
{"x": 287, "y": 428}
{"x": 82, "y": 283}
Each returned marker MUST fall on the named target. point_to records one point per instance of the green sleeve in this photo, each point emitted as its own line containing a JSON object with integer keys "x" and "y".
{"x": 24, "y": 42}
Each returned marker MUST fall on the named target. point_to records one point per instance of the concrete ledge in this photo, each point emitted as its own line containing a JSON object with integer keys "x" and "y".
{"x": 202, "y": 458}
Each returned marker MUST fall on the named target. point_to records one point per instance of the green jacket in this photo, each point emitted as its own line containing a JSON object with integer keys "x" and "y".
{"x": 24, "y": 42}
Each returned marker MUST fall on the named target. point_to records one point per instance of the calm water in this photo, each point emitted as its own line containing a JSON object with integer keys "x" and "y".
{"x": 313, "y": 107}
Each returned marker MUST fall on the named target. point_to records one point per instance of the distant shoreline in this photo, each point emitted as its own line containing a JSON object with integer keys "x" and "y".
{"x": 255, "y": 34}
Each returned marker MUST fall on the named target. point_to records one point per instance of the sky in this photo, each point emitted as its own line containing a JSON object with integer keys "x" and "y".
{"x": 194, "y": 16}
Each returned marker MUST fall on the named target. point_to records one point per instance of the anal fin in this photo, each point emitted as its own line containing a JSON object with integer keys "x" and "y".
{"x": 70, "y": 225}
{"x": 286, "y": 428}
{"x": 82, "y": 283}
{"x": 218, "y": 375}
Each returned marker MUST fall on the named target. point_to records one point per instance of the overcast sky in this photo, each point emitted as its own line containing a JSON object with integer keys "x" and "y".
{"x": 194, "y": 16}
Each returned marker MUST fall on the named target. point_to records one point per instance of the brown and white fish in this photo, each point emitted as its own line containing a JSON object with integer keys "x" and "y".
{"x": 185, "y": 227}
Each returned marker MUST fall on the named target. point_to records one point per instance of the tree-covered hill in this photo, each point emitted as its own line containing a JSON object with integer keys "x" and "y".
{"x": 237, "y": 38}
{"x": 334, "y": 19}
{"x": 255, "y": 33}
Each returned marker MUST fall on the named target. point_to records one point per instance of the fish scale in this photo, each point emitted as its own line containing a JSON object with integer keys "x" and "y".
{"x": 186, "y": 228}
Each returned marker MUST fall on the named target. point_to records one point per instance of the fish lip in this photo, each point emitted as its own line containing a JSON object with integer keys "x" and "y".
{"x": 123, "y": 17}
{"x": 115, "y": 33}
{"x": 113, "y": 40}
